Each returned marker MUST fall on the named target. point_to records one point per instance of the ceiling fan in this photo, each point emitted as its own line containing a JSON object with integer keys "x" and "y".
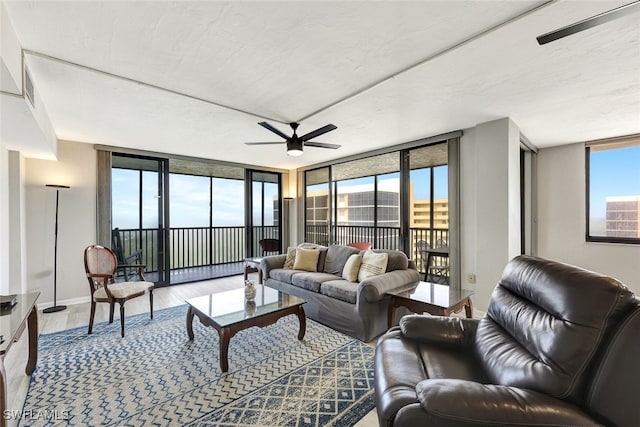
{"x": 294, "y": 142}
{"x": 591, "y": 22}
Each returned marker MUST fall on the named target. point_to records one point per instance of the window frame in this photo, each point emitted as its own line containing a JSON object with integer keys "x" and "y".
{"x": 588, "y": 236}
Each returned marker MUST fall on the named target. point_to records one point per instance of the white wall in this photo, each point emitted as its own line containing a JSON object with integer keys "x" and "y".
{"x": 4, "y": 220}
{"x": 17, "y": 220}
{"x": 75, "y": 167}
{"x": 562, "y": 217}
{"x": 489, "y": 203}
{"x": 10, "y": 55}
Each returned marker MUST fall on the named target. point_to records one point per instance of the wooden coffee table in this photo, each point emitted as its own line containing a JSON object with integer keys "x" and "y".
{"x": 433, "y": 298}
{"x": 228, "y": 313}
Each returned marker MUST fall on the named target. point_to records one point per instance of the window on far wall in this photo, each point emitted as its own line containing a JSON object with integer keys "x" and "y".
{"x": 613, "y": 191}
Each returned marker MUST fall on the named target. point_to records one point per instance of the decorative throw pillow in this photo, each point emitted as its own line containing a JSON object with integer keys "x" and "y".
{"x": 291, "y": 257}
{"x": 306, "y": 259}
{"x": 352, "y": 267}
{"x": 373, "y": 264}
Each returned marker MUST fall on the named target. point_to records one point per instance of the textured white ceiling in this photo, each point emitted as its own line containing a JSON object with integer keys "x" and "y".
{"x": 288, "y": 61}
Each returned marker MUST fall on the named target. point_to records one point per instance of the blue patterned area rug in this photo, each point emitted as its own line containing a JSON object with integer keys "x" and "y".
{"x": 155, "y": 376}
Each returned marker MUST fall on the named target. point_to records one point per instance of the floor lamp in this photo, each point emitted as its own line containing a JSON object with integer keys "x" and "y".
{"x": 55, "y": 307}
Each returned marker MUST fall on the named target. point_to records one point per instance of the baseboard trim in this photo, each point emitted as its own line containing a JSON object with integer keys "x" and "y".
{"x": 71, "y": 301}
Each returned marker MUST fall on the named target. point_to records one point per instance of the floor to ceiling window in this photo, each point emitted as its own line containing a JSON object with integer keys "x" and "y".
{"x": 397, "y": 200}
{"x": 187, "y": 220}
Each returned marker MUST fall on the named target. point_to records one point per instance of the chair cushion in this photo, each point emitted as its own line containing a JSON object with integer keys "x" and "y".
{"x": 337, "y": 256}
{"x": 123, "y": 290}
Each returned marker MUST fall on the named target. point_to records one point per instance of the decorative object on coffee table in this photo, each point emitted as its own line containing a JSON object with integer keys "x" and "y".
{"x": 55, "y": 306}
{"x": 249, "y": 290}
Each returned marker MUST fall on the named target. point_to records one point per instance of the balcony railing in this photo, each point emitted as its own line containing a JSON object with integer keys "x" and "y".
{"x": 383, "y": 238}
{"x": 195, "y": 246}
{"x": 205, "y": 246}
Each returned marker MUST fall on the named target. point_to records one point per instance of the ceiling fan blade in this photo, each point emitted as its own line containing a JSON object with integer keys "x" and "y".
{"x": 274, "y": 130}
{"x": 265, "y": 143}
{"x": 585, "y": 24}
{"x": 321, "y": 145}
{"x": 318, "y": 132}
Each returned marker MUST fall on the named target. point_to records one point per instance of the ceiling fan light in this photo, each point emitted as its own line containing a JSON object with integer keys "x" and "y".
{"x": 294, "y": 152}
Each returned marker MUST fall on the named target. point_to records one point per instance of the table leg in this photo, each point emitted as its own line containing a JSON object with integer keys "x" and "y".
{"x": 225, "y": 336}
{"x": 468, "y": 308}
{"x": 390, "y": 312}
{"x": 259, "y": 275}
{"x": 246, "y": 271}
{"x": 190, "y": 315}
{"x": 303, "y": 323}
{"x": 3, "y": 392}
{"x": 32, "y": 325}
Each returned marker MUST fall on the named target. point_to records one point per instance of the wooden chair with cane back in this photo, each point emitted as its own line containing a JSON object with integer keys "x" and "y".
{"x": 100, "y": 264}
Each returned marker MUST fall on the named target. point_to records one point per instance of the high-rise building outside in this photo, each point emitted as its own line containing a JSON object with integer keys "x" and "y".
{"x": 623, "y": 216}
{"x": 355, "y": 206}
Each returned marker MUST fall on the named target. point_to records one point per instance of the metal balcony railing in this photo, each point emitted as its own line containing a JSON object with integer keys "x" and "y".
{"x": 195, "y": 246}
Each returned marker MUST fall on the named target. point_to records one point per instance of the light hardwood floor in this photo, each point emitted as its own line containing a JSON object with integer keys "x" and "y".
{"x": 78, "y": 315}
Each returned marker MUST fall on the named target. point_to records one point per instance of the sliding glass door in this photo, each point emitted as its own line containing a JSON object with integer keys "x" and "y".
{"x": 140, "y": 214}
{"x": 264, "y": 217}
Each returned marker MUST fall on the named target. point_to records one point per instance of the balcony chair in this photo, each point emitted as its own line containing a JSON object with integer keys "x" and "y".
{"x": 100, "y": 264}
{"x": 363, "y": 246}
{"x": 558, "y": 346}
{"x": 269, "y": 246}
{"x": 125, "y": 264}
{"x": 435, "y": 273}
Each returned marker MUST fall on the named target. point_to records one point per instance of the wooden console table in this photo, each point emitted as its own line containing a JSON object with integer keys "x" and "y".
{"x": 12, "y": 324}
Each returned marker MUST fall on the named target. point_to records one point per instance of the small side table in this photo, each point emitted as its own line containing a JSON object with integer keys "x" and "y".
{"x": 251, "y": 265}
{"x": 440, "y": 300}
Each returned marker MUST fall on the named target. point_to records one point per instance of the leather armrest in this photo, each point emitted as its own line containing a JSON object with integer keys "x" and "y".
{"x": 438, "y": 329}
{"x": 459, "y": 402}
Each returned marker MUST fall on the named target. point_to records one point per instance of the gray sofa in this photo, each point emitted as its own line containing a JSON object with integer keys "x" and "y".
{"x": 356, "y": 309}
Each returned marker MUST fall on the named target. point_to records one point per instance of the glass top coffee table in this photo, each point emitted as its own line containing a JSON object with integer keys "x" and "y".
{"x": 440, "y": 300}
{"x": 229, "y": 312}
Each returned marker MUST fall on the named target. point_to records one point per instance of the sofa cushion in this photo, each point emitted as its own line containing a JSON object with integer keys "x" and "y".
{"x": 337, "y": 256}
{"x": 311, "y": 281}
{"x": 321, "y": 257}
{"x": 397, "y": 259}
{"x": 306, "y": 259}
{"x": 340, "y": 289}
{"x": 282, "y": 274}
{"x": 291, "y": 258}
{"x": 373, "y": 264}
{"x": 352, "y": 267}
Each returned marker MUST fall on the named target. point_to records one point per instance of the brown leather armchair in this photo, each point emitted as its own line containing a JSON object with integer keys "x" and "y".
{"x": 559, "y": 346}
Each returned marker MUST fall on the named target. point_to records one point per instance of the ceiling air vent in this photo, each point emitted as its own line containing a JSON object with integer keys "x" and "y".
{"x": 28, "y": 88}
